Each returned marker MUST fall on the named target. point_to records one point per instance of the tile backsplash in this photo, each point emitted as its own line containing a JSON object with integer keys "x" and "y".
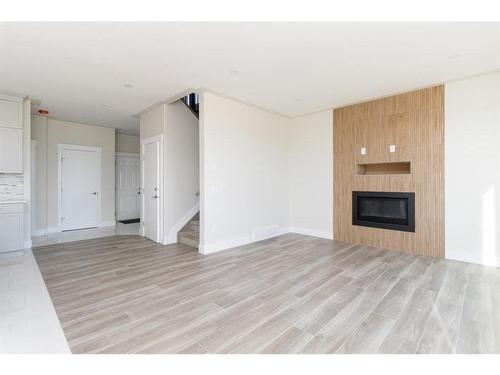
{"x": 11, "y": 186}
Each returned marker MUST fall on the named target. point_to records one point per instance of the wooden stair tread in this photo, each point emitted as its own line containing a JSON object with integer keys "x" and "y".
{"x": 190, "y": 233}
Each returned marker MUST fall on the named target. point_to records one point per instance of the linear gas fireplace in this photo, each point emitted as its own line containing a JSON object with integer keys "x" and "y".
{"x": 385, "y": 210}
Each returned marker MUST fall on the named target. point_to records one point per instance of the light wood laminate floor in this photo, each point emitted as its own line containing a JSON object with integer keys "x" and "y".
{"x": 290, "y": 294}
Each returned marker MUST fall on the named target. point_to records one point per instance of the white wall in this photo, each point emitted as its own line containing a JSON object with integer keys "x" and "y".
{"x": 180, "y": 160}
{"x": 39, "y": 133}
{"x": 152, "y": 122}
{"x": 311, "y": 174}
{"x": 127, "y": 143}
{"x": 472, "y": 170}
{"x": 182, "y": 171}
{"x": 245, "y": 179}
{"x": 63, "y": 132}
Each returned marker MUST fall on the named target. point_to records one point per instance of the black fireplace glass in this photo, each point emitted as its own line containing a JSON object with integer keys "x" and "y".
{"x": 387, "y": 210}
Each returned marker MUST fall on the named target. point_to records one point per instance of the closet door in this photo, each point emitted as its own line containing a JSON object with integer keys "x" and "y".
{"x": 128, "y": 197}
{"x": 80, "y": 189}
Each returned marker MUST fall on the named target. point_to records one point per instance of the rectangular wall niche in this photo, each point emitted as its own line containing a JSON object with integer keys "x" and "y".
{"x": 387, "y": 210}
{"x": 384, "y": 168}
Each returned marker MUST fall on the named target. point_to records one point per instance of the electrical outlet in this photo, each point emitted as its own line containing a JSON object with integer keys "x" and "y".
{"x": 392, "y": 148}
{"x": 363, "y": 150}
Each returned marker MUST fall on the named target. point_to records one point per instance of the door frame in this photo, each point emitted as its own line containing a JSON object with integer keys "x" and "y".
{"x": 33, "y": 192}
{"x": 159, "y": 139}
{"x": 127, "y": 155}
{"x": 60, "y": 148}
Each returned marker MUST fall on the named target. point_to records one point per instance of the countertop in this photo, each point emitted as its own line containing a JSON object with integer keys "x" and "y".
{"x": 12, "y": 201}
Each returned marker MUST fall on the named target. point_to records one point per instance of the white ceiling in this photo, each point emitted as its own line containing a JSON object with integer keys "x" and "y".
{"x": 79, "y": 70}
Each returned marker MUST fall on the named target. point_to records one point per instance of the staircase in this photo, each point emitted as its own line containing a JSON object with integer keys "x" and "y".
{"x": 192, "y": 101}
{"x": 190, "y": 233}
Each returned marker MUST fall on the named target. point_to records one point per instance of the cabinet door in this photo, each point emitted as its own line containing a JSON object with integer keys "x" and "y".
{"x": 11, "y": 114}
{"x": 11, "y": 232}
{"x": 11, "y": 150}
{"x": 397, "y": 132}
{"x": 368, "y": 136}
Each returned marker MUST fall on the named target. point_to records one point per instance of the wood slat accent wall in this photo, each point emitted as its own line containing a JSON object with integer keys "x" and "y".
{"x": 414, "y": 122}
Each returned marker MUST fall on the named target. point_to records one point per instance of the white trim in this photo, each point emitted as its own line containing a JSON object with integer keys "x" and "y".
{"x": 12, "y": 98}
{"x": 245, "y": 240}
{"x": 33, "y": 177}
{"x": 156, "y": 138}
{"x": 78, "y": 147}
{"x": 13, "y": 253}
{"x": 26, "y": 125}
{"x": 202, "y": 185}
{"x": 127, "y": 132}
{"x": 39, "y": 232}
{"x": 476, "y": 258}
{"x": 43, "y": 232}
{"x": 60, "y": 148}
{"x": 172, "y": 235}
{"x": 109, "y": 223}
{"x": 224, "y": 245}
{"x": 128, "y": 154}
{"x": 312, "y": 232}
{"x": 28, "y": 244}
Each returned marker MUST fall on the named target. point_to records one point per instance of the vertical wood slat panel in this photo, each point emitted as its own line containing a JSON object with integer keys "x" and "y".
{"x": 414, "y": 122}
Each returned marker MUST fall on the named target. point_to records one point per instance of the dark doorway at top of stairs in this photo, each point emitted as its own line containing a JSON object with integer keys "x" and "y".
{"x": 129, "y": 221}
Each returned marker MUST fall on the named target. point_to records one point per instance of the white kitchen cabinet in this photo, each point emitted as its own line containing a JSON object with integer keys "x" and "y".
{"x": 11, "y": 150}
{"x": 11, "y": 227}
{"x": 11, "y": 134}
{"x": 11, "y": 113}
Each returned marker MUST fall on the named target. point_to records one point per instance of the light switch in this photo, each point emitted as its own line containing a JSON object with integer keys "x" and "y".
{"x": 392, "y": 148}
{"x": 363, "y": 150}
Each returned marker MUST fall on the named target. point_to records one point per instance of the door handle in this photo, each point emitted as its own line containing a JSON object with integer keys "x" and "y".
{"x": 154, "y": 196}
{"x": 94, "y": 193}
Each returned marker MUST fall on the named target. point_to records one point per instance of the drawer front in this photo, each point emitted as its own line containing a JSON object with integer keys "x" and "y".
{"x": 11, "y": 208}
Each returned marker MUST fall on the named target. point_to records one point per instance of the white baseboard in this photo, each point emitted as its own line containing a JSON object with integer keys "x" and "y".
{"x": 168, "y": 241}
{"x": 28, "y": 244}
{"x": 245, "y": 240}
{"x": 476, "y": 258}
{"x": 109, "y": 223}
{"x": 312, "y": 232}
{"x": 223, "y": 245}
{"x": 13, "y": 253}
{"x": 39, "y": 232}
{"x": 172, "y": 234}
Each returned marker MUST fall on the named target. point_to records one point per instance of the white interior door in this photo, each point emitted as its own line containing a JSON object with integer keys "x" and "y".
{"x": 80, "y": 189}
{"x": 151, "y": 179}
{"x": 128, "y": 199}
